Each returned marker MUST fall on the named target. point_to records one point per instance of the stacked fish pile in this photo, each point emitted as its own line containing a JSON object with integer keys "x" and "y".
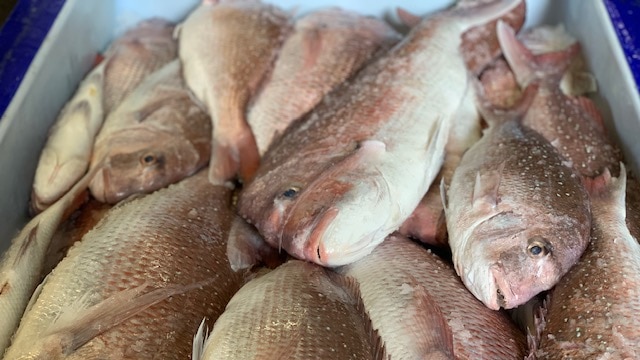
{"x": 336, "y": 139}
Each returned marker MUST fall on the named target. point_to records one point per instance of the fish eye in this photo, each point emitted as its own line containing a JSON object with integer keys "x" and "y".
{"x": 148, "y": 159}
{"x": 291, "y": 192}
{"x": 538, "y": 247}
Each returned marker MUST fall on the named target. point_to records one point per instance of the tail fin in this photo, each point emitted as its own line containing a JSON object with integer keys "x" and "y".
{"x": 528, "y": 67}
{"x": 493, "y": 115}
{"x": 604, "y": 186}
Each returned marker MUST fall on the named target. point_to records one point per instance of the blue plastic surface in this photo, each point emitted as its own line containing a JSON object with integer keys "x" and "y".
{"x": 20, "y": 39}
{"x": 625, "y": 16}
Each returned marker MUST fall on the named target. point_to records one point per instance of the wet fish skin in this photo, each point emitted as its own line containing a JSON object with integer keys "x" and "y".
{"x": 72, "y": 230}
{"x": 132, "y": 57}
{"x": 296, "y": 312}
{"x": 632, "y": 204}
{"x": 367, "y": 145}
{"x": 226, "y": 48}
{"x": 63, "y": 162}
{"x": 399, "y": 281}
{"x": 427, "y": 222}
{"x": 175, "y": 237}
{"x": 67, "y": 153}
{"x": 480, "y": 44}
{"x": 22, "y": 265}
{"x": 325, "y": 48}
{"x": 571, "y": 124}
{"x": 156, "y": 137}
{"x": 517, "y": 217}
{"x": 593, "y": 311}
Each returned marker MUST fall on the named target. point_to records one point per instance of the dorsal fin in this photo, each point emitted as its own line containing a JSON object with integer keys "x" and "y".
{"x": 407, "y": 18}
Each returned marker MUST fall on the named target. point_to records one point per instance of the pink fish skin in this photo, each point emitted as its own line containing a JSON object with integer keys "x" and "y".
{"x": 414, "y": 299}
{"x": 352, "y": 170}
{"x": 594, "y": 311}
{"x": 156, "y": 137}
{"x": 128, "y": 60}
{"x": 226, "y": 48}
{"x": 137, "y": 53}
{"x": 632, "y": 204}
{"x": 326, "y": 47}
{"x": 163, "y": 256}
{"x": 518, "y": 218}
{"x": 571, "y": 124}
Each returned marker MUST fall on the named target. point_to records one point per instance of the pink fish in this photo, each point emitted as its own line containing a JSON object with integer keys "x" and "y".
{"x": 594, "y": 311}
{"x": 571, "y": 124}
{"x": 226, "y": 48}
{"x": 518, "y": 218}
{"x": 325, "y": 48}
{"x": 352, "y": 170}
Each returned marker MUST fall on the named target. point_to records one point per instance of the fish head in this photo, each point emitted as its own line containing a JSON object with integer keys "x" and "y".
{"x": 132, "y": 165}
{"x": 516, "y": 260}
{"x": 324, "y": 216}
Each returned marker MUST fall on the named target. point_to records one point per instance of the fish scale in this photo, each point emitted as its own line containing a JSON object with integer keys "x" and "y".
{"x": 175, "y": 237}
{"x": 295, "y": 312}
{"x": 593, "y": 311}
{"x": 511, "y": 191}
{"x": 375, "y": 143}
{"x": 326, "y": 48}
{"x": 571, "y": 124}
{"x": 395, "y": 282}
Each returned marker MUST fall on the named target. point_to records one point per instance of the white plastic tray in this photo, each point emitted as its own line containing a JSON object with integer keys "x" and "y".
{"x": 85, "y": 27}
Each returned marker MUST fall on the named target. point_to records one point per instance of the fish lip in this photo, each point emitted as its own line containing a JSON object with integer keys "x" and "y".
{"x": 314, "y": 248}
{"x": 503, "y": 292}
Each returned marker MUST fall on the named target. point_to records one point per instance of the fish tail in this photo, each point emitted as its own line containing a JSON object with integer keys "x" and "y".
{"x": 475, "y": 13}
{"x": 234, "y": 150}
{"x": 604, "y": 186}
{"x": 494, "y": 115}
{"x": 528, "y": 67}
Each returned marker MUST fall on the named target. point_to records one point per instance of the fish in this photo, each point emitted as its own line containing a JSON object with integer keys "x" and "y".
{"x": 128, "y": 60}
{"x": 427, "y": 222}
{"x": 139, "y": 283}
{"x": 501, "y": 87}
{"x": 156, "y": 137}
{"x": 23, "y": 264}
{"x": 325, "y": 48}
{"x": 593, "y": 312}
{"x": 72, "y": 230}
{"x": 632, "y": 205}
{"x": 518, "y": 219}
{"x": 352, "y": 170}
{"x": 577, "y": 80}
{"x": 297, "y": 311}
{"x": 227, "y": 48}
{"x": 480, "y": 44}
{"x": 572, "y": 124}
{"x": 63, "y": 162}
{"x": 136, "y": 54}
{"x": 420, "y": 308}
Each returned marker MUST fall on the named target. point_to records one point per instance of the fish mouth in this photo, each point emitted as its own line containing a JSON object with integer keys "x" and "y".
{"x": 504, "y": 292}
{"x": 314, "y": 249}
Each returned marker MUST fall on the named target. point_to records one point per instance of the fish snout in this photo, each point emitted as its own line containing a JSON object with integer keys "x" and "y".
{"x": 314, "y": 248}
{"x": 98, "y": 185}
{"x": 504, "y": 295}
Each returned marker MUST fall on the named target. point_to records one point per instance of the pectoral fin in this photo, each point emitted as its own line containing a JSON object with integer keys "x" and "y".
{"x": 78, "y": 323}
{"x": 246, "y": 248}
{"x": 486, "y": 189}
